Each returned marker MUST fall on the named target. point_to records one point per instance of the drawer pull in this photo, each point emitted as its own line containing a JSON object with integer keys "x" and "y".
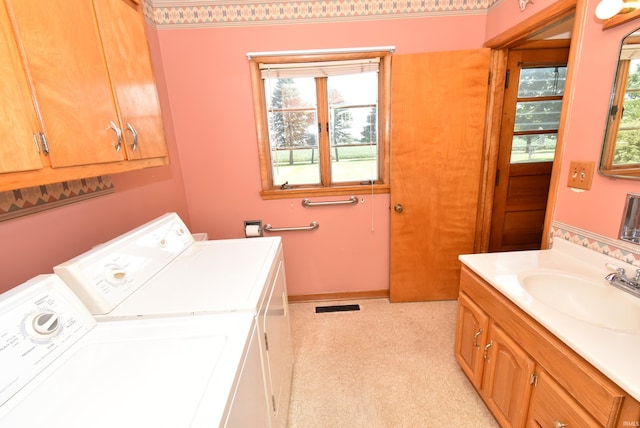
{"x": 475, "y": 338}
{"x": 558, "y": 424}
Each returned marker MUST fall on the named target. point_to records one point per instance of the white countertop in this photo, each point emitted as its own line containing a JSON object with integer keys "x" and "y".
{"x": 614, "y": 353}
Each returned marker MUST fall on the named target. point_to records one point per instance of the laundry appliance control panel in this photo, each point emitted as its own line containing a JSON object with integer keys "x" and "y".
{"x": 105, "y": 276}
{"x": 39, "y": 320}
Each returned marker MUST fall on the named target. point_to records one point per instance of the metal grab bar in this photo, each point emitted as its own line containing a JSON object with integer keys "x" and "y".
{"x": 351, "y": 201}
{"x": 268, "y": 228}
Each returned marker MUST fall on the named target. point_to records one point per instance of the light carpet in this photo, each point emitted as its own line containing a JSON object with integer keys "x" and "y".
{"x": 386, "y": 365}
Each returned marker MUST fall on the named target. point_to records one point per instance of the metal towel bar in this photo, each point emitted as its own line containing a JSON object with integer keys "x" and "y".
{"x": 351, "y": 201}
{"x": 268, "y": 228}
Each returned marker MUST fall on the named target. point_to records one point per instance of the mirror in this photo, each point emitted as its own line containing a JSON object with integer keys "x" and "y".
{"x": 621, "y": 149}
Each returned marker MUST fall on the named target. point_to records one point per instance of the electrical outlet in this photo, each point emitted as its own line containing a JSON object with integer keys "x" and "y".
{"x": 581, "y": 175}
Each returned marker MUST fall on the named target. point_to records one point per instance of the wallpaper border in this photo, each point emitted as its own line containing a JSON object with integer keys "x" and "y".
{"x": 193, "y": 14}
{"x": 621, "y": 250}
{"x": 30, "y": 200}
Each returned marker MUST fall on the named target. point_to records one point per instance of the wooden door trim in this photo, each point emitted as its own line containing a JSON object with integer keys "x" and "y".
{"x": 500, "y": 45}
{"x": 520, "y": 32}
{"x": 493, "y": 125}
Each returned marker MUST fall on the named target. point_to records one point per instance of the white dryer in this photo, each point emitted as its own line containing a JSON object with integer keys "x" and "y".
{"x": 62, "y": 369}
{"x": 159, "y": 270}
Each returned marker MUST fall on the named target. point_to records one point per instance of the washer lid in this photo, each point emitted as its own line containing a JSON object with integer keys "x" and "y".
{"x": 212, "y": 276}
{"x": 144, "y": 373}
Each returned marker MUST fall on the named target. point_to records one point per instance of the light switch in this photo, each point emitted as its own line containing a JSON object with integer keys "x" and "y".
{"x": 581, "y": 175}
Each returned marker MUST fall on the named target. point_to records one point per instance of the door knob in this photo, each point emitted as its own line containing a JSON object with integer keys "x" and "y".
{"x": 398, "y": 208}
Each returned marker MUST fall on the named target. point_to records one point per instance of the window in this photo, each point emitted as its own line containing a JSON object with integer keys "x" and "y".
{"x": 322, "y": 121}
{"x": 537, "y": 115}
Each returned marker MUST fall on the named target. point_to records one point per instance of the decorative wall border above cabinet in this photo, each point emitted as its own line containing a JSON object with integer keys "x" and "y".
{"x": 208, "y": 13}
{"x": 21, "y": 202}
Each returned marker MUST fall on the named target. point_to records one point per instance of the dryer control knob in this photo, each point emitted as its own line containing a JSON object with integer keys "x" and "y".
{"x": 46, "y": 323}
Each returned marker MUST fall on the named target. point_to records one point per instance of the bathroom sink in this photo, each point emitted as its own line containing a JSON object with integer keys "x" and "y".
{"x": 593, "y": 302}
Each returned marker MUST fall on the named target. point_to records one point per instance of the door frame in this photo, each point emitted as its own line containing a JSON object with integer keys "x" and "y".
{"x": 500, "y": 45}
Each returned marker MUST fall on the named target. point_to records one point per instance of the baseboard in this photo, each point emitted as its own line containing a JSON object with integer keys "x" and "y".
{"x": 349, "y": 295}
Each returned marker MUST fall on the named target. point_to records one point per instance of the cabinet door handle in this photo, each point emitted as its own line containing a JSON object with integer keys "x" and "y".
{"x": 118, "y": 134}
{"x": 134, "y": 145}
{"x": 475, "y": 338}
{"x": 45, "y": 144}
{"x": 558, "y": 424}
{"x": 486, "y": 350}
{"x": 35, "y": 140}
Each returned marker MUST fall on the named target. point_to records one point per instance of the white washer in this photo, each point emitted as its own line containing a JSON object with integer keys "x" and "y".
{"x": 159, "y": 270}
{"x": 60, "y": 368}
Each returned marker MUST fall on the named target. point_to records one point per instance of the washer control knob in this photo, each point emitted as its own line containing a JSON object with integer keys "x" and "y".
{"x": 46, "y": 323}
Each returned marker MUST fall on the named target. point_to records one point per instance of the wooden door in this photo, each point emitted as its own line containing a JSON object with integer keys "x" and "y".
{"x": 125, "y": 44}
{"x": 438, "y": 112}
{"x": 18, "y": 149}
{"x": 70, "y": 80}
{"x": 531, "y": 116}
{"x": 505, "y": 385}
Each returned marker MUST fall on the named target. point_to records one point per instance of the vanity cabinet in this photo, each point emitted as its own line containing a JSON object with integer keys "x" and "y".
{"x": 506, "y": 376}
{"x": 496, "y": 365}
{"x": 91, "y": 85}
{"x": 525, "y": 375}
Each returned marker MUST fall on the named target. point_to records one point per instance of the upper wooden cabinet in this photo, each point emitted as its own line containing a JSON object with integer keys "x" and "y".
{"x": 123, "y": 33}
{"x": 70, "y": 80}
{"x": 91, "y": 84}
{"x": 18, "y": 149}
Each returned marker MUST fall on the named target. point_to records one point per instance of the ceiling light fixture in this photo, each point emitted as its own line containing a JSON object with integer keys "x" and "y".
{"x": 609, "y": 8}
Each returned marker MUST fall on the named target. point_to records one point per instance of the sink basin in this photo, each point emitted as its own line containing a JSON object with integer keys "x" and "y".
{"x": 596, "y": 303}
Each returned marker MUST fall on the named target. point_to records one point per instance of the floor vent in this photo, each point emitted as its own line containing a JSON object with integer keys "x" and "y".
{"x": 337, "y": 308}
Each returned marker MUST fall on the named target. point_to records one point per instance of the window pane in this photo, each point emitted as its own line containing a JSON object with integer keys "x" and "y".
{"x": 293, "y": 132}
{"x": 542, "y": 81}
{"x": 537, "y": 115}
{"x": 353, "y": 110}
{"x": 628, "y": 141}
{"x": 533, "y": 148}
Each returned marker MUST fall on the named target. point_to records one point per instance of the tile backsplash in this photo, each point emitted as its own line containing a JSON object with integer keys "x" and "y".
{"x": 621, "y": 250}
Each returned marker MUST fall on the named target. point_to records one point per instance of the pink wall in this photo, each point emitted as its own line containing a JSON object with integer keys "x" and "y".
{"x": 209, "y": 87}
{"x": 34, "y": 244}
{"x": 598, "y": 210}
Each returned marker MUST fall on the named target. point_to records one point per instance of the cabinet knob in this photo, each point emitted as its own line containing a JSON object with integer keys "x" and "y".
{"x": 558, "y": 424}
{"x": 398, "y": 208}
{"x": 118, "y": 134}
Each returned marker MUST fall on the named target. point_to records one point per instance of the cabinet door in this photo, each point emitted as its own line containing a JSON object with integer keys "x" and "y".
{"x": 471, "y": 333}
{"x": 278, "y": 358}
{"x": 552, "y": 406}
{"x": 506, "y": 384}
{"x": 68, "y": 75}
{"x": 18, "y": 149}
{"x": 125, "y": 45}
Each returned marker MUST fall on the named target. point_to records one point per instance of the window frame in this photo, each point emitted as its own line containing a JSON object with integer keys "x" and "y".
{"x": 271, "y": 191}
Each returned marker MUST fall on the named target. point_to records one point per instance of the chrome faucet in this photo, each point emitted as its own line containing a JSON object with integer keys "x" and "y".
{"x": 620, "y": 280}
